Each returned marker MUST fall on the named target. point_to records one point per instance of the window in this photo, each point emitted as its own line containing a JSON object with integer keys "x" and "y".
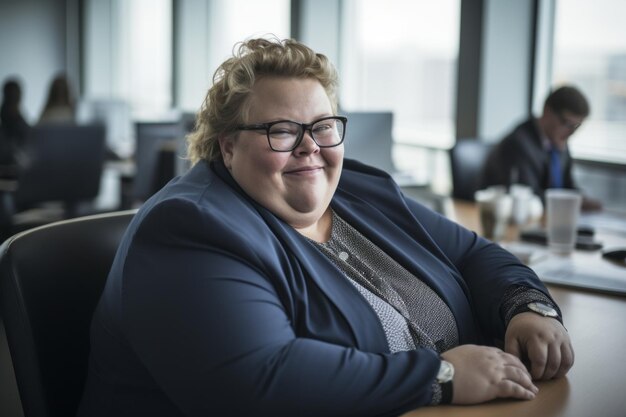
{"x": 236, "y": 20}
{"x": 128, "y": 53}
{"x": 590, "y": 52}
{"x": 208, "y": 30}
{"x": 401, "y": 55}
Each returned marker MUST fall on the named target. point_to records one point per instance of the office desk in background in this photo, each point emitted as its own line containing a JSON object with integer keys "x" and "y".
{"x": 585, "y": 269}
{"x": 595, "y": 386}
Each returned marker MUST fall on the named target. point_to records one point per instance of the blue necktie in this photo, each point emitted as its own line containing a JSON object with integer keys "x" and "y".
{"x": 556, "y": 175}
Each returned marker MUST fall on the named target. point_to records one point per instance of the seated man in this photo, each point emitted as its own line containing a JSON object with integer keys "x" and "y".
{"x": 535, "y": 153}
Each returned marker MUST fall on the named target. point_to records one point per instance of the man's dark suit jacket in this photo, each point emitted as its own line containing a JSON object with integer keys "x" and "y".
{"x": 216, "y": 307}
{"x": 522, "y": 158}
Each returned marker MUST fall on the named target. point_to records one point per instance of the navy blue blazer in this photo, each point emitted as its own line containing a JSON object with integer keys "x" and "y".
{"x": 216, "y": 307}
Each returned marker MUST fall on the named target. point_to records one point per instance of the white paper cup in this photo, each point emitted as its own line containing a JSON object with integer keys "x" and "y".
{"x": 562, "y": 211}
{"x": 495, "y": 211}
{"x": 522, "y": 197}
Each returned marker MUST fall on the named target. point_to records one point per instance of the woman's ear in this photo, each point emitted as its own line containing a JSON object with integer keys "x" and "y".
{"x": 226, "y": 147}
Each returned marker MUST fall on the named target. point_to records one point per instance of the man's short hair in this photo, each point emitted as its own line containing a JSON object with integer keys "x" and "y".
{"x": 568, "y": 98}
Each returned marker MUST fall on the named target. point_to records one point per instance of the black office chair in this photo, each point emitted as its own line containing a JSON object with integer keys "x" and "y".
{"x": 467, "y": 158}
{"x": 51, "y": 278}
{"x": 64, "y": 163}
{"x": 59, "y": 176}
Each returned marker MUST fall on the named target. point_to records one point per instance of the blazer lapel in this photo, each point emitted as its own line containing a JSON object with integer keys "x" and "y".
{"x": 411, "y": 246}
{"x": 319, "y": 270}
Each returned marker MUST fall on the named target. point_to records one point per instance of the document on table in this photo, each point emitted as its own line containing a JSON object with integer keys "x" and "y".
{"x": 600, "y": 275}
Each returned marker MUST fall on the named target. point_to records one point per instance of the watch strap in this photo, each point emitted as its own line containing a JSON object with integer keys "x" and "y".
{"x": 445, "y": 376}
{"x": 446, "y": 392}
{"x": 524, "y": 308}
{"x": 516, "y": 301}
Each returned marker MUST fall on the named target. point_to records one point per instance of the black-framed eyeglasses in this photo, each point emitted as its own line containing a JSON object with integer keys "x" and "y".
{"x": 286, "y": 135}
{"x": 568, "y": 123}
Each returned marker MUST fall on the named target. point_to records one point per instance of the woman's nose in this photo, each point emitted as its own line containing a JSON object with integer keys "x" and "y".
{"x": 307, "y": 145}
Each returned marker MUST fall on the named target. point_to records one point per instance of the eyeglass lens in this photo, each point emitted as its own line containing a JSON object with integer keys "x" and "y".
{"x": 571, "y": 125}
{"x": 285, "y": 135}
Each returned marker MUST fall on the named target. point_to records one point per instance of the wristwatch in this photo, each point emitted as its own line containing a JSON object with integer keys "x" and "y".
{"x": 542, "y": 309}
{"x": 444, "y": 379}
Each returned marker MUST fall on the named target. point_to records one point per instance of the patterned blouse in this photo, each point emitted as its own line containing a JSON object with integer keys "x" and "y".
{"x": 410, "y": 312}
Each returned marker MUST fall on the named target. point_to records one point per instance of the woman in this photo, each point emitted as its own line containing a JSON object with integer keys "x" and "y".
{"x": 13, "y": 123}
{"x": 277, "y": 279}
{"x": 60, "y": 106}
{"x": 13, "y": 131}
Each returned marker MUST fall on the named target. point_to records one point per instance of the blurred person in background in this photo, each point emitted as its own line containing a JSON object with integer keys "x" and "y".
{"x": 14, "y": 126}
{"x": 13, "y": 129}
{"x": 60, "y": 105}
{"x": 536, "y": 152}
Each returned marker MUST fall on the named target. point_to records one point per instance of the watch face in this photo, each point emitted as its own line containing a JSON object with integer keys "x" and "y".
{"x": 543, "y": 309}
{"x": 446, "y": 372}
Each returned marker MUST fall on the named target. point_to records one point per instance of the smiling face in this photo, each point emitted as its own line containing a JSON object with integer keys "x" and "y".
{"x": 296, "y": 186}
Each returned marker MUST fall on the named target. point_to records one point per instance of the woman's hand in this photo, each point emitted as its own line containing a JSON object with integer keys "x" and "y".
{"x": 542, "y": 342}
{"x": 483, "y": 373}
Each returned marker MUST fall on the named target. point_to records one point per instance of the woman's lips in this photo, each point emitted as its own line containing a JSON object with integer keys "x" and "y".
{"x": 308, "y": 170}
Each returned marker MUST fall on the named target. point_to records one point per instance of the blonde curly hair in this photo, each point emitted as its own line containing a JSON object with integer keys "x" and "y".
{"x": 226, "y": 104}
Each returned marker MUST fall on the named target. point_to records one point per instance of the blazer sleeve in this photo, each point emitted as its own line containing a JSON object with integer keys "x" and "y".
{"x": 486, "y": 269}
{"x": 211, "y": 330}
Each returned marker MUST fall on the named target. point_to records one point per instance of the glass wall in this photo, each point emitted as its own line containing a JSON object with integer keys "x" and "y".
{"x": 206, "y": 33}
{"x": 128, "y": 53}
{"x": 590, "y": 52}
{"x": 401, "y": 55}
{"x": 129, "y": 47}
{"x": 235, "y": 20}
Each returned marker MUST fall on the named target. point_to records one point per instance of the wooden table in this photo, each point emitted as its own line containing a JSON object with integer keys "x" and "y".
{"x": 596, "y": 385}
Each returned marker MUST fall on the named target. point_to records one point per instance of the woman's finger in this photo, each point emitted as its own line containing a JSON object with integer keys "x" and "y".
{"x": 520, "y": 376}
{"x": 509, "y": 389}
{"x": 553, "y": 362}
{"x": 538, "y": 356}
{"x": 567, "y": 360}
